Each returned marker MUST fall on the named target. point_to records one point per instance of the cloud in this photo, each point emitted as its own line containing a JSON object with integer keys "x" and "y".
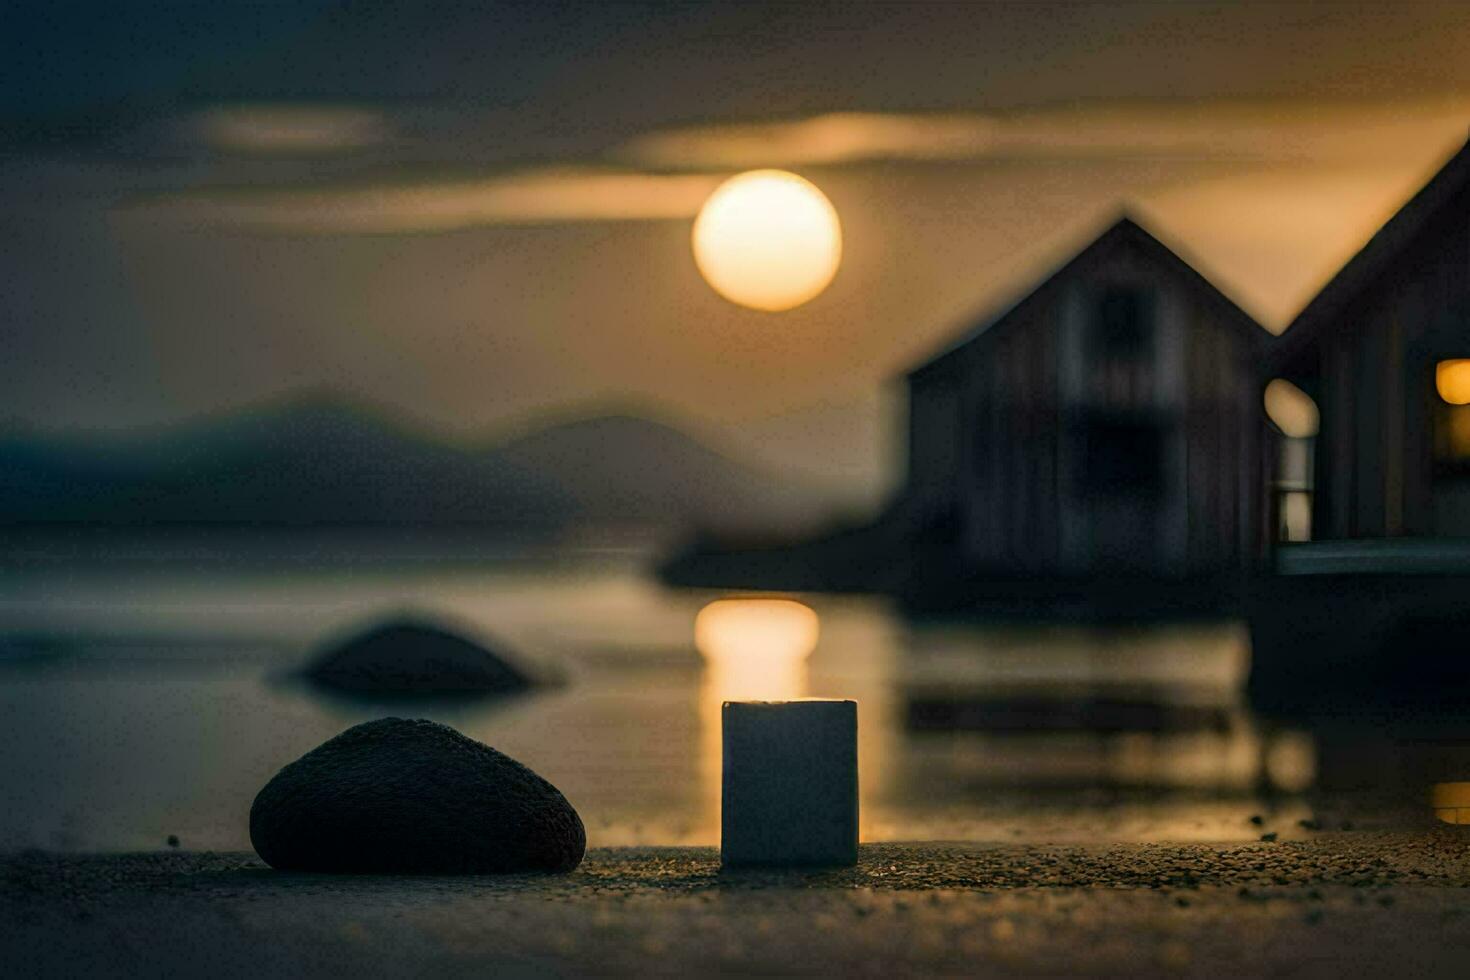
{"x": 667, "y": 174}
{"x": 829, "y": 139}
{"x": 530, "y": 197}
{"x": 288, "y": 129}
{"x": 1219, "y": 131}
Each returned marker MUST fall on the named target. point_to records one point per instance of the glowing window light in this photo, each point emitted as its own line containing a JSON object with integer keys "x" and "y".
{"x": 1452, "y": 380}
{"x": 1458, "y": 432}
{"x": 1296, "y": 515}
{"x": 1292, "y": 409}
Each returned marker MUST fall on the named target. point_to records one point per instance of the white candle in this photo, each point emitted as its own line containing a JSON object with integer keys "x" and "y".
{"x": 789, "y": 785}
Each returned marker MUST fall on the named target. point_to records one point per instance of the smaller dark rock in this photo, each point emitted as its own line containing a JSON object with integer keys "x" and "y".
{"x": 1257, "y": 819}
{"x": 1312, "y": 824}
{"x": 1268, "y": 838}
{"x": 413, "y": 797}
{"x": 173, "y": 840}
{"x": 411, "y": 658}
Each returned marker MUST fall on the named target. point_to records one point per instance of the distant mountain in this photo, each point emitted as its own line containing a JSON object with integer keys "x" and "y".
{"x": 631, "y": 468}
{"x": 322, "y": 462}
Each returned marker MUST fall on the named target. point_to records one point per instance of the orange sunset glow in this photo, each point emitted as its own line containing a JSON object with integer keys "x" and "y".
{"x": 735, "y": 487}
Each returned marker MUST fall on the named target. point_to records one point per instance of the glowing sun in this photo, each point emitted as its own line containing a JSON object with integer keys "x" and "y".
{"x": 767, "y": 239}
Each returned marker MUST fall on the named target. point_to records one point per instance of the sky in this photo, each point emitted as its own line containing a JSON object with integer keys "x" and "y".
{"x": 477, "y": 217}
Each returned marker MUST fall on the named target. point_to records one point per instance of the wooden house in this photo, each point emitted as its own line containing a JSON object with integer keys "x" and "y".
{"x": 1384, "y": 350}
{"x": 1373, "y": 607}
{"x": 1106, "y": 427}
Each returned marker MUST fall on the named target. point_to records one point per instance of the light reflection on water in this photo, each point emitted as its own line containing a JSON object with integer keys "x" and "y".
{"x": 1116, "y": 707}
{"x": 1451, "y": 802}
{"x": 164, "y": 713}
{"x": 753, "y": 650}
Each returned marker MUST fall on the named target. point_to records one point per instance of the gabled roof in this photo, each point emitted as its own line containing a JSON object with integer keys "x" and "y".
{"x": 1122, "y": 233}
{"x": 1374, "y": 258}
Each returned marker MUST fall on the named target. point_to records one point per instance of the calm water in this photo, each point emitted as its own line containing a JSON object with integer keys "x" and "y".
{"x": 138, "y": 703}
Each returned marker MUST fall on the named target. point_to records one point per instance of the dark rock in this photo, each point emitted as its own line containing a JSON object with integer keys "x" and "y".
{"x": 409, "y": 658}
{"x": 413, "y": 797}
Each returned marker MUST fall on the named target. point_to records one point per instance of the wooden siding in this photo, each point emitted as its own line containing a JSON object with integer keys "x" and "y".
{"x": 992, "y": 427}
{"x": 1372, "y": 374}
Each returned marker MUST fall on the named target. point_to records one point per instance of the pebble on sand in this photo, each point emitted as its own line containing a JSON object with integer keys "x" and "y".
{"x": 413, "y": 797}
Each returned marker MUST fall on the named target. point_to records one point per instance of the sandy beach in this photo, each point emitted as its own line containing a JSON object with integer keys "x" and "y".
{"x": 1340, "y": 904}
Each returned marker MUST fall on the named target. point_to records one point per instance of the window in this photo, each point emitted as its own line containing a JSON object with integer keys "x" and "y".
{"x": 1452, "y": 380}
{"x": 1122, "y": 456}
{"x": 1294, "y": 519}
{"x": 1452, "y": 415}
{"x": 1294, "y": 414}
{"x": 1291, "y": 410}
{"x": 1122, "y": 327}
